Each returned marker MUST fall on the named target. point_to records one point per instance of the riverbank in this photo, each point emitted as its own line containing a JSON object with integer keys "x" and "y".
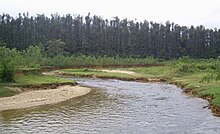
{"x": 191, "y": 82}
{"x": 35, "y": 89}
{"x": 33, "y": 80}
{"x": 42, "y": 97}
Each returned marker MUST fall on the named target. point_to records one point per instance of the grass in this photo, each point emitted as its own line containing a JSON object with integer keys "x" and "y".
{"x": 37, "y": 79}
{"x": 32, "y": 78}
{"x": 151, "y": 72}
{"x": 6, "y": 92}
{"x": 93, "y": 72}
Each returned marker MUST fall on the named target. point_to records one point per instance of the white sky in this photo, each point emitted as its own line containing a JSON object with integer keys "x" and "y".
{"x": 183, "y": 12}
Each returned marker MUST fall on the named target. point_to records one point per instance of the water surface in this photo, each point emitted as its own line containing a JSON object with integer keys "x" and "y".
{"x": 116, "y": 106}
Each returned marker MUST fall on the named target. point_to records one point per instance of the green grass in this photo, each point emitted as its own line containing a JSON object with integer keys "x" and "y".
{"x": 6, "y": 92}
{"x": 30, "y": 79}
{"x": 36, "y": 79}
{"x": 151, "y": 72}
{"x": 213, "y": 90}
{"x": 94, "y": 72}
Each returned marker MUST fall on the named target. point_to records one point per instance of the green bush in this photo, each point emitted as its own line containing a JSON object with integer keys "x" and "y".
{"x": 7, "y": 72}
{"x": 213, "y": 75}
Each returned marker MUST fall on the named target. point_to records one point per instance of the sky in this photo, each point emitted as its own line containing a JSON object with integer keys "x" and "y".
{"x": 182, "y": 12}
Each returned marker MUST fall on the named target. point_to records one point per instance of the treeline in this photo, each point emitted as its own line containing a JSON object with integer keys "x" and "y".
{"x": 95, "y": 36}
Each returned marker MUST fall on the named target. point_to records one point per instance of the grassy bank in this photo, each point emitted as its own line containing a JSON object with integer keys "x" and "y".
{"x": 197, "y": 77}
{"x": 30, "y": 80}
{"x": 6, "y": 92}
{"x": 92, "y": 73}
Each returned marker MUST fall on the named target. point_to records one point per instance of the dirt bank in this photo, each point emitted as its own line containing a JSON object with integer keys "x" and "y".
{"x": 42, "y": 97}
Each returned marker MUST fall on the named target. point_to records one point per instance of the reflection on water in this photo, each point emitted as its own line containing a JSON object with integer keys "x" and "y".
{"x": 116, "y": 106}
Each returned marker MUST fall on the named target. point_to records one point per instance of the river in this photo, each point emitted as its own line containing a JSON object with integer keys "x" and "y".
{"x": 115, "y": 106}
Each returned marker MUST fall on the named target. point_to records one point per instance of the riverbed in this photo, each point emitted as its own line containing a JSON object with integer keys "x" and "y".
{"x": 115, "y": 106}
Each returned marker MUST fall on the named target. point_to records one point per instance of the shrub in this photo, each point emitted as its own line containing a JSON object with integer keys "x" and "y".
{"x": 214, "y": 75}
{"x": 7, "y": 72}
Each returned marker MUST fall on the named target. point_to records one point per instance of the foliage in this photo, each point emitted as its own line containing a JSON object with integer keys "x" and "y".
{"x": 9, "y": 55}
{"x": 96, "y": 36}
{"x": 184, "y": 65}
{"x": 32, "y": 57}
{"x": 82, "y": 60}
{"x": 55, "y": 48}
{"x": 7, "y": 72}
{"x": 214, "y": 74}
{"x": 187, "y": 65}
{"x": 7, "y": 64}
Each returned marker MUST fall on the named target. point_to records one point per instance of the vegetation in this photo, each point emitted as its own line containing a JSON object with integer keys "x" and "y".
{"x": 6, "y": 92}
{"x": 96, "y": 36}
{"x": 37, "y": 79}
{"x": 185, "y": 72}
{"x": 92, "y": 73}
{"x": 7, "y": 72}
{"x": 34, "y": 57}
{"x": 30, "y": 79}
{"x": 30, "y": 43}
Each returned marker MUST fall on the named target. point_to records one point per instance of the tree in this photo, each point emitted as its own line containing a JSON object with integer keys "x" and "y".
{"x": 55, "y": 47}
{"x": 93, "y": 35}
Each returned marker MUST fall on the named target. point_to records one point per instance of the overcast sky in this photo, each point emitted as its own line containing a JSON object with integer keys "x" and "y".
{"x": 183, "y": 12}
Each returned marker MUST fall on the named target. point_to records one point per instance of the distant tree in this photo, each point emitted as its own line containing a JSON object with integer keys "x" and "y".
{"x": 55, "y": 47}
{"x": 93, "y": 35}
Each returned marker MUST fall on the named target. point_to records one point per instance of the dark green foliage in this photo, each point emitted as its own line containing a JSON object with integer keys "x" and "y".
{"x": 95, "y": 36}
{"x": 55, "y": 47}
{"x": 7, "y": 72}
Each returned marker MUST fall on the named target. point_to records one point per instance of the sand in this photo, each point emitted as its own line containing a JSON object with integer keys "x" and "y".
{"x": 121, "y": 71}
{"x": 42, "y": 97}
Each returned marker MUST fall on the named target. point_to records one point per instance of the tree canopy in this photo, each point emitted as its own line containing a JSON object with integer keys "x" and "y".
{"x": 93, "y": 35}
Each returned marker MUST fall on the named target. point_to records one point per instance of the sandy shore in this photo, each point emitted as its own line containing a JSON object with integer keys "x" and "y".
{"x": 42, "y": 97}
{"x": 121, "y": 71}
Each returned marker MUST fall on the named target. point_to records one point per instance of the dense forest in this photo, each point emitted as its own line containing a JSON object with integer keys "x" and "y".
{"x": 95, "y": 36}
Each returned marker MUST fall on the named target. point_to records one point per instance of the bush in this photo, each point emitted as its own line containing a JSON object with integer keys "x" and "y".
{"x": 214, "y": 75}
{"x": 7, "y": 72}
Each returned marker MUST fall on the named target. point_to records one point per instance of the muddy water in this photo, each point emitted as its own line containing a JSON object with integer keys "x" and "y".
{"x": 117, "y": 107}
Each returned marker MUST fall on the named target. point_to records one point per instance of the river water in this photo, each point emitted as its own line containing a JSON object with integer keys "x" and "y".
{"x": 114, "y": 107}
